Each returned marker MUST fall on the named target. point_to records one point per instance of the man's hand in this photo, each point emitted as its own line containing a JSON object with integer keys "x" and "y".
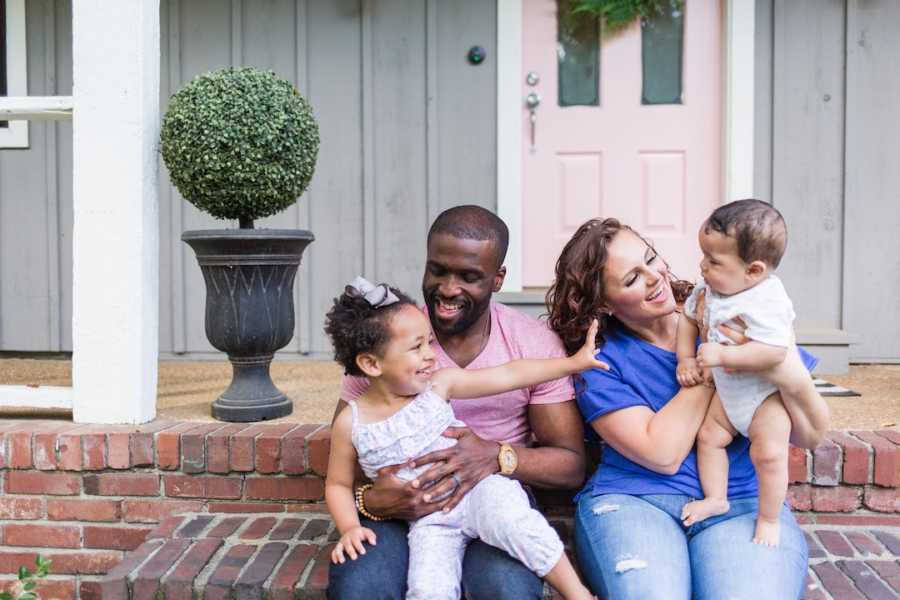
{"x": 471, "y": 460}
{"x": 352, "y": 543}
{"x": 709, "y": 355}
{"x": 395, "y": 498}
{"x": 688, "y": 373}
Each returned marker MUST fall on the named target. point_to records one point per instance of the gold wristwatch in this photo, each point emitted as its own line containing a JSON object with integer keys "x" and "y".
{"x": 508, "y": 459}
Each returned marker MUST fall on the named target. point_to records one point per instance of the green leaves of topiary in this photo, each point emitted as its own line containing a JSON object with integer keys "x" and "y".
{"x": 240, "y": 143}
{"x": 617, "y": 14}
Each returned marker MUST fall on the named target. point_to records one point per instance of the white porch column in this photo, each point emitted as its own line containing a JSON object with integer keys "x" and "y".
{"x": 740, "y": 97}
{"x": 509, "y": 134}
{"x": 115, "y": 317}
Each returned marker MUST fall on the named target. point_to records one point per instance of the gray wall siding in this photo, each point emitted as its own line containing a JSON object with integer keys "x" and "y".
{"x": 407, "y": 127}
{"x": 872, "y": 193}
{"x": 808, "y": 152}
{"x": 826, "y": 85}
{"x": 35, "y": 217}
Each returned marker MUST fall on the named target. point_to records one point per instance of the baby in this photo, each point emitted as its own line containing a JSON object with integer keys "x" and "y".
{"x": 379, "y": 333}
{"x": 742, "y": 244}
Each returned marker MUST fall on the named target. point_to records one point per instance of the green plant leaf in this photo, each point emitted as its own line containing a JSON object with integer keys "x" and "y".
{"x": 28, "y": 596}
{"x": 5, "y": 596}
{"x": 617, "y": 14}
{"x": 29, "y": 585}
{"x": 239, "y": 143}
{"x": 24, "y": 573}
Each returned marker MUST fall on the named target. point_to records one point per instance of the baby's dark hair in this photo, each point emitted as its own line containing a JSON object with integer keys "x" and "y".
{"x": 355, "y": 326}
{"x": 758, "y": 228}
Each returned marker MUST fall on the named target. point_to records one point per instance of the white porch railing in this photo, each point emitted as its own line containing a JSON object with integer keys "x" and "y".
{"x": 36, "y": 108}
{"x": 115, "y": 307}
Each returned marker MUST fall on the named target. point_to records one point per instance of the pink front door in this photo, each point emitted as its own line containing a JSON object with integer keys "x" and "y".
{"x": 655, "y": 167}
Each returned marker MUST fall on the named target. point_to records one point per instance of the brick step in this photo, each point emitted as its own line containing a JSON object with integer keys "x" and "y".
{"x": 86, "y": 495}
{"x": 211, "y": 556}
{"x": 852, "y": 562}
{"x": 285, "y": 557}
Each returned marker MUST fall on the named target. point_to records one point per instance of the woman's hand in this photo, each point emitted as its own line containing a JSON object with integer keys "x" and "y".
{"x": 352, "y": 543}
{"x": 735, "y": 335}
{"x": 709, "y": 355}
{"x": 585, "y": 357}
{"x": 810, "y": 414}
{"x": 457, "y": 469}
{"x": 394, "y": 498}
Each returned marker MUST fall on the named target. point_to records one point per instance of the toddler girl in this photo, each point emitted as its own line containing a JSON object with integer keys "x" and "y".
{"x": 378, "y": 332}
{"x": 742, "y": 244}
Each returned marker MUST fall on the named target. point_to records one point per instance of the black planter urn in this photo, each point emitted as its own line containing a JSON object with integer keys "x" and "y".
{"x": 249, "y": 276}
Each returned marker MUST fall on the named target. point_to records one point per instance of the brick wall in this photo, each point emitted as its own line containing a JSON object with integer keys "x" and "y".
{"x": 84, "y": 495}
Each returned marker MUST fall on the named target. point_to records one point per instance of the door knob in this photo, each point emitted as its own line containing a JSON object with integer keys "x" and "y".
{"x": 532, "y": 101}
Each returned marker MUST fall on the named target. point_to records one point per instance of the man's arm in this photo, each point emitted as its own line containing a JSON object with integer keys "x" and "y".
{"x": 558, "y": 463}
{"x": 559, "y": 459}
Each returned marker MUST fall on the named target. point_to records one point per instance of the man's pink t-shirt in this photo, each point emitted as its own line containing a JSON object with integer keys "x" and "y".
{"x": 501, "y": 417}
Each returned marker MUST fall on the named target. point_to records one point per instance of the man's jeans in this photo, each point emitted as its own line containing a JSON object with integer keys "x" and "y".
{"x": 636, "y": 547}
{"x": 488, "y": 573}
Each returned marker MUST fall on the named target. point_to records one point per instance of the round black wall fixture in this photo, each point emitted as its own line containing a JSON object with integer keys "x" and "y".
{"x": 476, "y": 55}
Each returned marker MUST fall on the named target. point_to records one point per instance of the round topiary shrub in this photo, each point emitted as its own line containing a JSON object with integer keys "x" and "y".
{"x": 240, "y": 143}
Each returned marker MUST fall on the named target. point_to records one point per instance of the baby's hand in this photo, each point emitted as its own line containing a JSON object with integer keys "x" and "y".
{"x": 352, "y": 543}
{"x": 688, "y": 373}
{"x": 709, "y": 355}
{"x": 585, "y": 357}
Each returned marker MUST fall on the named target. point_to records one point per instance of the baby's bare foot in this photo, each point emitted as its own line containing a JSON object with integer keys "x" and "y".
{"x": 698, "y": 510}
{"x": 767, "y": 533}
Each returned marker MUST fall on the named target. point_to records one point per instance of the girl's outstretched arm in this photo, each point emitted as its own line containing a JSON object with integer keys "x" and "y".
{"x": 475, "y": 383}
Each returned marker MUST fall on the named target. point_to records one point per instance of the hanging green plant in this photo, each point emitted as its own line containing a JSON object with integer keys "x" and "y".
{"x": 616, "y": 14}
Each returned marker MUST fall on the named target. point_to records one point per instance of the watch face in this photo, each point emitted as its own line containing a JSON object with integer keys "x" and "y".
{"x": 509, "y": 460}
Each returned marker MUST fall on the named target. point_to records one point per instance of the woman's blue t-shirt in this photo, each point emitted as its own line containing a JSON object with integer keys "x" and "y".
{"x": 641, "y": 374}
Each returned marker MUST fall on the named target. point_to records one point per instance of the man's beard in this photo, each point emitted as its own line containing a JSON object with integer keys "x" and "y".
{"x": 469, "y": 313}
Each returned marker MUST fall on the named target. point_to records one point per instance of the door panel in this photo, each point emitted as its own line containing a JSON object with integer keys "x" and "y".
{"x": 655, "y": 167}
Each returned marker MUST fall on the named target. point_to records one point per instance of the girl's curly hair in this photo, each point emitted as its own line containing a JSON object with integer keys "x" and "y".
{"x": 355, "y": 326}
{"x": 578, "y": 294}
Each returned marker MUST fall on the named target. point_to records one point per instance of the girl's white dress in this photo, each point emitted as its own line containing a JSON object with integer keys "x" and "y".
{"x": 496, "y": 510}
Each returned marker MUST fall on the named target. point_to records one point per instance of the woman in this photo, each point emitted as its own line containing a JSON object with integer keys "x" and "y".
{"x": 629, "y": 539}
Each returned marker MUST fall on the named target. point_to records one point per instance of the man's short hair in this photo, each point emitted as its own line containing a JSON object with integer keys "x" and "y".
{"x": 758, "y": 228}
{"x": 471, "y": 222}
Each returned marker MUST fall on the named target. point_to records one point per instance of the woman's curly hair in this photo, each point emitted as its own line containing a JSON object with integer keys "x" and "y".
{"x": 355, "y": 326}
{"x": 577, "y": 295}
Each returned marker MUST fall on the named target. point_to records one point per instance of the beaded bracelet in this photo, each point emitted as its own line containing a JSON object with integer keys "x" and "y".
{"x": 361, "y": 503}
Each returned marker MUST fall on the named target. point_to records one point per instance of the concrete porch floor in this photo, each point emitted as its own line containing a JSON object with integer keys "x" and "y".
{"x": 186, "y": 389}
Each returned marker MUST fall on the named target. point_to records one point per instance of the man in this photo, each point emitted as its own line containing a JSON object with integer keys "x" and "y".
{"x": 466, "y": 249}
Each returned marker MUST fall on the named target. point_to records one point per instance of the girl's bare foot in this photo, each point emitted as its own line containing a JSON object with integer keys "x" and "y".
{"x": 767, "y": 532}
{"x": 698, "y": 510}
